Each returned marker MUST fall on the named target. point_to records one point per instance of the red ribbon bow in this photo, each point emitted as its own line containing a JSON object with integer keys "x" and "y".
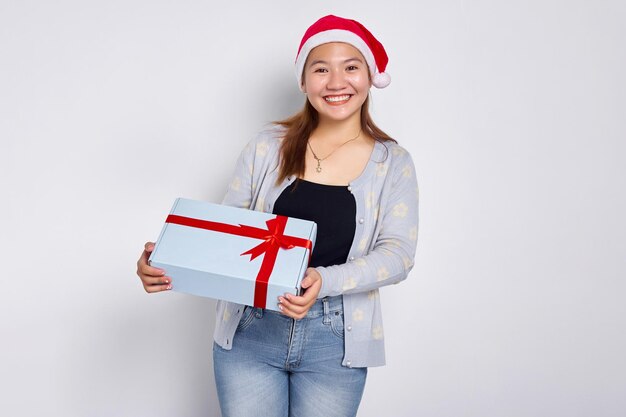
{"x": 273, "y": 239}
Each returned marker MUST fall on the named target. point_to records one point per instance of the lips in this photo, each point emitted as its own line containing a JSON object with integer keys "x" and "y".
{"x": 338, "y": 99}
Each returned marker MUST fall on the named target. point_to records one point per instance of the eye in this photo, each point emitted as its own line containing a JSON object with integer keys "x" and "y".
{"x": 320, "y": 70}
{"x": 352, "y": 68}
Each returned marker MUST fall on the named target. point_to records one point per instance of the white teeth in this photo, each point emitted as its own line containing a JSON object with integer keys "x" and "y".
{"x": 337, "y": 98}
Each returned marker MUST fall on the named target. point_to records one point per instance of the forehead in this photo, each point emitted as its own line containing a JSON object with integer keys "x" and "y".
{"x": 334, "y": 50}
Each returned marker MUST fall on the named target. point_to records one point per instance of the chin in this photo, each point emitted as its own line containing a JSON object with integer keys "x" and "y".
{"x": 336, "y": 114}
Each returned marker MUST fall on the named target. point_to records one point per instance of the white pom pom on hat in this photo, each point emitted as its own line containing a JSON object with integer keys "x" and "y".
{"x": 338, "y": 29}
{"x": 381, "y": 80}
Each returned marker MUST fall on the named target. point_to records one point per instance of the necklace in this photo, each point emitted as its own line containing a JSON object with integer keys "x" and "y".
{"x": 319, "y": 166}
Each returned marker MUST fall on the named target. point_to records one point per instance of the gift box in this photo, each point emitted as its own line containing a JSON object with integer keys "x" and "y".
{"x": 244, "y": 256}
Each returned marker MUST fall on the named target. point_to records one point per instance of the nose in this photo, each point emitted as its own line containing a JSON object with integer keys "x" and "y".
{"x": 336, "y": 80}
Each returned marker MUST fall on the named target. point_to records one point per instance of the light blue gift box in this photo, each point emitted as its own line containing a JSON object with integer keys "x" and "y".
{"x": 220, "y": 251}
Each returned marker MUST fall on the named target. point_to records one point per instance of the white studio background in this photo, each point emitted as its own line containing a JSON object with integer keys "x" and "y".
{"x": 514, "y": 112}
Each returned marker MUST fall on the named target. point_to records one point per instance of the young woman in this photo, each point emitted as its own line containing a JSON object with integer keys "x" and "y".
{"x": 331, "y": 164}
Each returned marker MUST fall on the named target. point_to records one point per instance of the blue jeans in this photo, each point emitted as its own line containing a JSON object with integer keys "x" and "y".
{"x": 280, "y": 367}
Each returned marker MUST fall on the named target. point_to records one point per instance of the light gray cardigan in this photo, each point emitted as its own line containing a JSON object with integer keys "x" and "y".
{"x": 382, "y": 251}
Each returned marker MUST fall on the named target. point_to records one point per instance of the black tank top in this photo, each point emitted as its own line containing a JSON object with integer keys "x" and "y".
{"x": 332, "y": 207}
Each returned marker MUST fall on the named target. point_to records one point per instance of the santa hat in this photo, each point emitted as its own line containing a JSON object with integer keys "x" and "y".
{"x": 337, "y": 29}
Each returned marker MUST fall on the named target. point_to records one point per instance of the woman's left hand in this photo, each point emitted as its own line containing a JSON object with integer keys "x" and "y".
{"x": 296, "y": 307}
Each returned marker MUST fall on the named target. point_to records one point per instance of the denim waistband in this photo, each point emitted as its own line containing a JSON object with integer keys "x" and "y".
{"x": 326, "y": 305}
{"x": 321, "y": 307}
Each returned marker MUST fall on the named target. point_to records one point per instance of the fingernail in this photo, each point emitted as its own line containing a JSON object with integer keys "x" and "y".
{"x": 280, "y": 307}
{"x": 169, "y": 287}
{"x": 288, "y": 296}
{"x": 280, "y": 299}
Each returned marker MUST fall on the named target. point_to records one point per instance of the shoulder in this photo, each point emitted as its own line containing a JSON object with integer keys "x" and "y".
{"x": 399, "y": 164}
{"x": 266, "y": 142}
{"x": 271, "y": 133}
{"x": 396, "y": 155}
{"x": 396, "y": 151}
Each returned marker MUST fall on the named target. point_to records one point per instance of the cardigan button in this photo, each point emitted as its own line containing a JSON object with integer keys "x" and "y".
{"x": 349, "y": 364}
{"x": 351, "y": 258}
{"x": 349, "y": 188}
{"x": 349, "y": 327}
{"x": 361, "y": 220}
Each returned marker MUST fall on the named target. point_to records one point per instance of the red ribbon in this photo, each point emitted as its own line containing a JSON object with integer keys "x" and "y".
{"x": 273, "y": 238}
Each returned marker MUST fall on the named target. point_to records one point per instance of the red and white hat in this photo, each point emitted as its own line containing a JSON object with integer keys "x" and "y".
{"x": 337, "y": 29}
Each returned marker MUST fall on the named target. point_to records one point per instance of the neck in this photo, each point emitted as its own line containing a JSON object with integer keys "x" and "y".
{"x": 334, "y": 132}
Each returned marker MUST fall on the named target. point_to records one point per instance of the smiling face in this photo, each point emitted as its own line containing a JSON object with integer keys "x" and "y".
{"x": 336, "y": 80}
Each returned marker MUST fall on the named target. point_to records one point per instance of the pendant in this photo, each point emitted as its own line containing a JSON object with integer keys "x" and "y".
{"x": 319, "y": 167}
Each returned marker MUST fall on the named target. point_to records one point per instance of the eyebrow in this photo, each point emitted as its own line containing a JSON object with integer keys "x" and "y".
{"x": 321, "y": 61}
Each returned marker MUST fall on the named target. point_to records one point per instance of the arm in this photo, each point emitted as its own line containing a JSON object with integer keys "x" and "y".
{"x": 251, "y": 169}
{"x": 392, "y": 255}
{"x": 239, "y": 192}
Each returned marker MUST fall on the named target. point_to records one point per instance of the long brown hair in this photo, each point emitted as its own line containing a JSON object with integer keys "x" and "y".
{"x": 299, "y": 129}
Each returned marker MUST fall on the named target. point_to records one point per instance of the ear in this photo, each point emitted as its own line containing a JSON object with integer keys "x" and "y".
{"x": 303, "y": 81}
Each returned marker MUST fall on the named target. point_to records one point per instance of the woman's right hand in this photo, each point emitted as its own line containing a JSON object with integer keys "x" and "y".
{"x": 153, "y": 279}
